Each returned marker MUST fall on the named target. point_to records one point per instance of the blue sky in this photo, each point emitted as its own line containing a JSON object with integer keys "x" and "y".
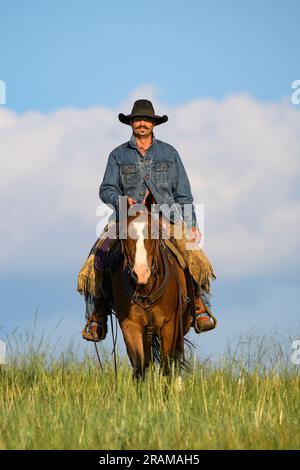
{"x": 227, "y": 67}
{"x": 74, "y": 53}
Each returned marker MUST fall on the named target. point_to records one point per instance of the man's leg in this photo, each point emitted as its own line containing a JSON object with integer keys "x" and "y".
{"x": 201, "y": 272}
{"x": 98, "y": 298}
{"x": 203, "y": 320}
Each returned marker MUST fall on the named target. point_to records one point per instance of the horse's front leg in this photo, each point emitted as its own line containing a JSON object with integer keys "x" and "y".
{"x": 133, "y": 337}
{"x": 170, "y": 351}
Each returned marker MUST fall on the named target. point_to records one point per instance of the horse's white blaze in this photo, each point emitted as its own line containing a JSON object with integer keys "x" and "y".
{"x": 141, "y": 262}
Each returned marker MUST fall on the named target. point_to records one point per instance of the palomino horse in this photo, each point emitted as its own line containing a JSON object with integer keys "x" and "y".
{"x": 150, "y": 297}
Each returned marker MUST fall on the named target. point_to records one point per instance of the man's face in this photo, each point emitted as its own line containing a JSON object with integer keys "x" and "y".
{"x": 142, "y": 126}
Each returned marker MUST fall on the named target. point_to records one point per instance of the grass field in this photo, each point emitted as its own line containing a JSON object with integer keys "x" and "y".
{"x": 67, "y": 403}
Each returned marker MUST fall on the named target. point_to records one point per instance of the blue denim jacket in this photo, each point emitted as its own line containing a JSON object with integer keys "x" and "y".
{"x": 128, "y": 173}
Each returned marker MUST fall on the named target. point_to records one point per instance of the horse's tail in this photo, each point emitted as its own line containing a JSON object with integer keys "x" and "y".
{"x": 156, "y": 349}
{"x": 184, "y": 362}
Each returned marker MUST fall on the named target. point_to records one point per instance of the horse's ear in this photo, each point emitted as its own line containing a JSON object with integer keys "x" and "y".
{"x": 148, "y": 200}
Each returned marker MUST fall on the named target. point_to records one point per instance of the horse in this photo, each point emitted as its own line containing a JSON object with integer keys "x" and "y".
{"x": 150, "y": 297}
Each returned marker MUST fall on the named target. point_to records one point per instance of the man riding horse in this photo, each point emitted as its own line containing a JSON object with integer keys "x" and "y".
{"x": 142, "y": 165}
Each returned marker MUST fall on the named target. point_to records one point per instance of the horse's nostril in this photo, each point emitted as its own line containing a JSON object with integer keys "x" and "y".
{"x": 141, "y": 278}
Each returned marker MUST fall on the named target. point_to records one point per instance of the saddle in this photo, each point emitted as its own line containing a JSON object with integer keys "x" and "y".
{"x": 105, "y": 254}
{"x": 171, "y": 244}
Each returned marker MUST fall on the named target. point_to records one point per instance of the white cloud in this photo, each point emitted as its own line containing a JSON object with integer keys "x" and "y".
{"x": 242, "y": 157}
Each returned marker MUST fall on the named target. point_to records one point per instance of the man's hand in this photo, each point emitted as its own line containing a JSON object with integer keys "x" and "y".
{"x": 195, "y": 235}
{"x": 131, "y": 201}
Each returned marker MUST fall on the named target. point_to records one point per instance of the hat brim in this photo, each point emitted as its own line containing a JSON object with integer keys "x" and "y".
{"x": 157, "y": 119}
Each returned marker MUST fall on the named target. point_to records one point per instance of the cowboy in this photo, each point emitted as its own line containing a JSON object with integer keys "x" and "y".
{"x": 133, "y": 169}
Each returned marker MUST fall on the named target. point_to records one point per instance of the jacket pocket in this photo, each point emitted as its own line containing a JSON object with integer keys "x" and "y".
{"x": 130, "y": 174}
{"x": 161, "y": 172}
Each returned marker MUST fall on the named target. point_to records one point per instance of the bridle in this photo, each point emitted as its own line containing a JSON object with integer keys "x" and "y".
{"x": 129, "y": 277}
{"x": 133, "y": 289}
{"x": 146, "y": 301}
{"x": 127, "y": 266}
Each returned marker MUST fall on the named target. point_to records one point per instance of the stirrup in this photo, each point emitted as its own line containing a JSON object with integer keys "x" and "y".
{"x": 210, "y": 325}
{"x": 95, "y": 331}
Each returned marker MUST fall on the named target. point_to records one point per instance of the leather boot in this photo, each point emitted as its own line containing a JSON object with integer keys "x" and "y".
{"x": 203, "y": 321}
{"x": 96, "y": 326}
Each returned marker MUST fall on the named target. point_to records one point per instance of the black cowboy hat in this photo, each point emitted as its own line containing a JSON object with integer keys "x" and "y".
{"x": 143, "y": 108}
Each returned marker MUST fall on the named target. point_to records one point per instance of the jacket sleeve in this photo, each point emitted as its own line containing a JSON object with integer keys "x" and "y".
{"x": 110, "y": 190}
{"x": 182, "y": 191}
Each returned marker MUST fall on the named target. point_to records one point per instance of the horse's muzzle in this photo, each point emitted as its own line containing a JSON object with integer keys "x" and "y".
{"x": 141, "y": 278}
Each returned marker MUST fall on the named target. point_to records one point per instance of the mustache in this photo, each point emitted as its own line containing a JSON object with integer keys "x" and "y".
{"x": 142, "y": 127}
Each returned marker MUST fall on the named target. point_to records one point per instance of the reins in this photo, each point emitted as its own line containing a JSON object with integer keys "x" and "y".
{"x": 98, "y": 356}
{"x": 114, "y": 338}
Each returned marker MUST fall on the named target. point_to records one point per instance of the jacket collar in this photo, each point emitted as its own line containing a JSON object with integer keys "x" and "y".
{"x": 132, "y": 141}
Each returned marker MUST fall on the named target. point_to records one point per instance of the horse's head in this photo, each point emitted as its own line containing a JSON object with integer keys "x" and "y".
{"x": 139, "y": 247}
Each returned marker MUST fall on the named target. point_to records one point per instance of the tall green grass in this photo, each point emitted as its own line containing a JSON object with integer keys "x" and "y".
{"x": 66, "y": 402}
